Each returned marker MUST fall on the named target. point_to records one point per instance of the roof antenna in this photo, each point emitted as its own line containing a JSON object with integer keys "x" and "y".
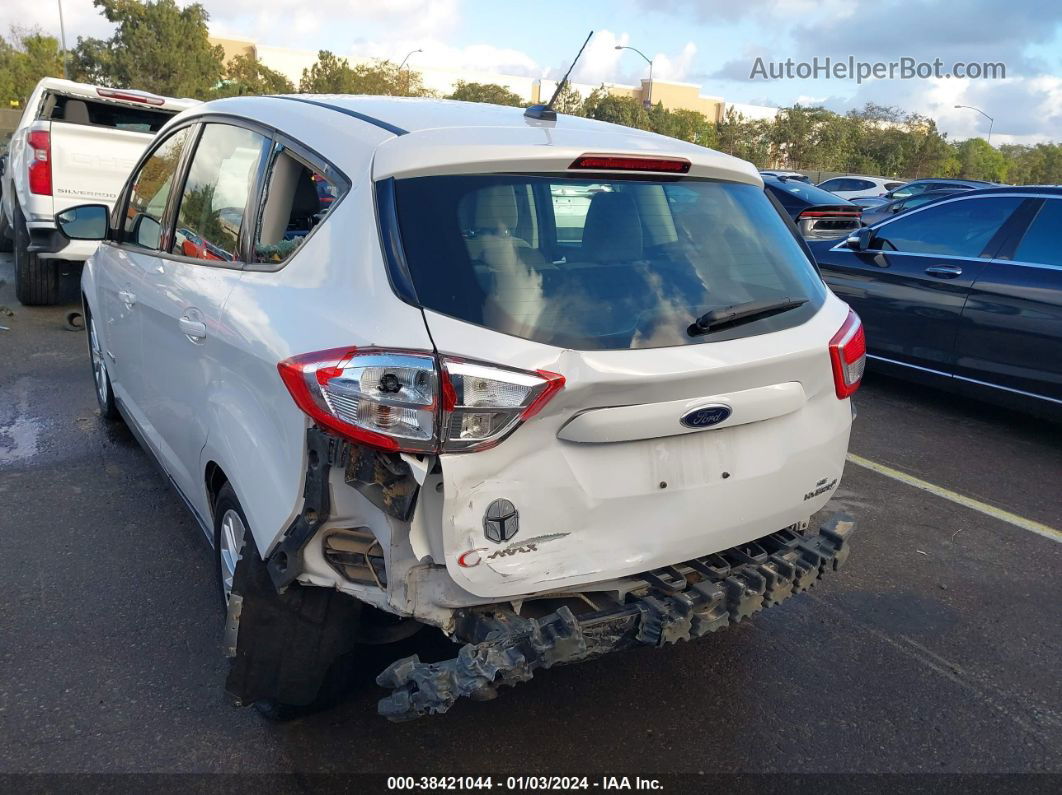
{"x": 546, "y": 112}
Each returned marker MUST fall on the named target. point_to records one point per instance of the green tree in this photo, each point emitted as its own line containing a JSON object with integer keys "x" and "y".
{"x": 331, "y": 74}
{"x": 746, "y": 138}
{"x": 485, "y": 92}
{"x": 25, "y": 57}
{"x": 978, "y": 160}
{"x": 569, "y": 101}
{"x": 690, "y": 125}
{"x": 157, "y": 46}
{"x": 627, "y": 111}
{"x": 244, "y": 74}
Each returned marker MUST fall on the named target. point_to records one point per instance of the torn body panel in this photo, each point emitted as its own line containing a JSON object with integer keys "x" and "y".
{"x": 683, "y": 602}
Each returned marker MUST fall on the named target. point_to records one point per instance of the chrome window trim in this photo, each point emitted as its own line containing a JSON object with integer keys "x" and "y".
{"x": 965, "y": 378}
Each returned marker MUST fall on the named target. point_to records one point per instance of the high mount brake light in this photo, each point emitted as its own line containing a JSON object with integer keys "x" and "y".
{"x": 848, "y": 356}
{"x": 413, "y": 401}
{"x": 40, "y": 167}
{"x": 667, "y": 165}
{"x": 128, "y": 96}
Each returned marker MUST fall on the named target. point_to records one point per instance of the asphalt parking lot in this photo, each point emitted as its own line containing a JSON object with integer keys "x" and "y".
{"x": 935, "y": 650}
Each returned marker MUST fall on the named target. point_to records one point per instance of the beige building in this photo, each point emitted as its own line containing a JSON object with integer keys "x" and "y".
{"x": 235, "y": 46}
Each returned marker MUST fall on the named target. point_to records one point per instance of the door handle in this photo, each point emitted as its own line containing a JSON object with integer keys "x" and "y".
{"x": 944, "y": 271}
{"x": 126, "y": 298}
{"x": 195, "y": 330}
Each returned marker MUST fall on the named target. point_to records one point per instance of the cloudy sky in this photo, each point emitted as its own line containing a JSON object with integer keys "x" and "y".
{"x": 710, "y": 42}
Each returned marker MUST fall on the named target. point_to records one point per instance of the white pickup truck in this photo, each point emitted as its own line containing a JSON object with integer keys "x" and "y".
{"x": 75, "y": 143}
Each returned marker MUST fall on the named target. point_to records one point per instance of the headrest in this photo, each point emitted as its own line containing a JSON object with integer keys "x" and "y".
{"x": 496, "y": 207}
{"x": 76, "y": 112}
{"x": 613, "y": 230}
{"x": 306, "y": 201}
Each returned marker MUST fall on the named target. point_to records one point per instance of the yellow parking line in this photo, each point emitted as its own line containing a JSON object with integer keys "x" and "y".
{"x": 968, "y": 502}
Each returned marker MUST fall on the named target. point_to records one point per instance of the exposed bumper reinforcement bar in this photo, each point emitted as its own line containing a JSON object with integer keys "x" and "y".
{"x": 677, "y": 603}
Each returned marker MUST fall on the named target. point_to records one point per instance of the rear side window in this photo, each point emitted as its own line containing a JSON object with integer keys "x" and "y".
{"x": 1041, "y": 243}
{"x": 150, "y": 191}
{"x": 958, "y": 228}
{"x": 599, "y": 264}
{"x": 75, "y": 110}
{"x": 298, "y": 197}
{"x": 215, "y": 195}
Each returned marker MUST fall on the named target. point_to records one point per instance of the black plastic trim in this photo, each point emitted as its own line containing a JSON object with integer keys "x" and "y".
{"x": 391, "y": 240}
{"x": 347, "y": 112}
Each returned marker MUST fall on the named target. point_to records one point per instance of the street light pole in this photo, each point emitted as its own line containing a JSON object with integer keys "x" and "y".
{"x": 991, "y": 121}
{"x": 407, "y": 69}
{"x": 411, "y": 52}
{"x": 62, "y": 38}
{"x": 649, "y": 99}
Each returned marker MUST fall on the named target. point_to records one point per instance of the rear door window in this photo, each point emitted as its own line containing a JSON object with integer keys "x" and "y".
{"x": 1040, "y": 244}
{"x": 77, "y": 110}
{"x": 151, "y": 188}
{"x": 957, "y": 228}
{"x": 214, "y": 201}
{"x": 606, "y": 264}
{"x": 298, "y": 197}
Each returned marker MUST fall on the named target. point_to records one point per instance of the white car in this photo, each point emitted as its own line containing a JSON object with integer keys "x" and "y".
{"x": 393, "y": 396}
{"x": 852, "y": 187}
{"x": 75, "y": 143}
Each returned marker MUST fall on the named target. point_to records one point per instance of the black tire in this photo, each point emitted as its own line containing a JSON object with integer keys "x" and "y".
{"x": 101, "y": 379}
{"x": 36, "y": 279}
{"x": 7, "y": 245}
{"x": 328, "y": 685}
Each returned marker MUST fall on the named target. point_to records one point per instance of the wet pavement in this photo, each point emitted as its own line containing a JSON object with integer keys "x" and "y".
{"x": 935, "y": 650}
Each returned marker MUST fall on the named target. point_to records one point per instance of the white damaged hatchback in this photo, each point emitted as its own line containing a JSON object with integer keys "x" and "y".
{"x": 553, "y": 386}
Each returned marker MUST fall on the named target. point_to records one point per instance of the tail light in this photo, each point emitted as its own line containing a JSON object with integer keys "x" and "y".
{"x": 40, "y": 167}
{"x": 848, "y": 355}
{"x": 415, "y": 402}
{"x": 819, "y": 223}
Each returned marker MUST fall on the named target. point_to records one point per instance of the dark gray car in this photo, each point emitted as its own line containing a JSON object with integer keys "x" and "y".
{"x": 871, "y": 215}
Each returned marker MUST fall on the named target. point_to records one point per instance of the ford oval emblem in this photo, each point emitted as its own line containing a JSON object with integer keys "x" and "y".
{"x": 705, "y": 416}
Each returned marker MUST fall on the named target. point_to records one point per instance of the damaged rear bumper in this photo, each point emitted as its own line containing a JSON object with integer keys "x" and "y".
{"x": 677, "y": 603}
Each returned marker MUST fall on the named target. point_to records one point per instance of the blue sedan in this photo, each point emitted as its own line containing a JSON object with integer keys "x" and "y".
{"x": 965, "y": 292}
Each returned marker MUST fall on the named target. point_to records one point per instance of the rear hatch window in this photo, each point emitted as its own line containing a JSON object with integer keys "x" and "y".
{"x": 600, "y": 263}
{"x": 77, "y": 110}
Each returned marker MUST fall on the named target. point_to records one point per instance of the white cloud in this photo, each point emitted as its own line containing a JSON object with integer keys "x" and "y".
{"x": 601, "y": 62}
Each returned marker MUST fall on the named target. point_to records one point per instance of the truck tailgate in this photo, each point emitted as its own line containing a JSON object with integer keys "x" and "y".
{"x": 90, "y": 164}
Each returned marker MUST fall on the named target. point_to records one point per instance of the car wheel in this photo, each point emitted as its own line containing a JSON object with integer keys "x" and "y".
{"x": 230, "y": 533}
{"x": 231, "y": 537}
{"x": 36, "y": 279}
{"x": 101, "y": 378}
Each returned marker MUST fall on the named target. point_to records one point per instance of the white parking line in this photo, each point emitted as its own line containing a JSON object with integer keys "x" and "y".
{"x": 967, "y": 502}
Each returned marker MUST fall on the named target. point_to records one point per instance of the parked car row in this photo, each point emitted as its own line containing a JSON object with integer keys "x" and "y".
{"x": 398, "y": 386}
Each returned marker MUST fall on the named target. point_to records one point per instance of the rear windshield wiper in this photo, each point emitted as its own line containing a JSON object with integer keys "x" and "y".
{"x": 728, "y": 316}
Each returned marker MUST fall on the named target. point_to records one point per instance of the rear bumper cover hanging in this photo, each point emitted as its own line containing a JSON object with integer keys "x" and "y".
{"x": 677, "y": 603}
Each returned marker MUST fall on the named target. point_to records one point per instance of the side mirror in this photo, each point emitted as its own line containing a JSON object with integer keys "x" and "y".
{"x": 860, "y": 239}
{"x": 84, "y": 222}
